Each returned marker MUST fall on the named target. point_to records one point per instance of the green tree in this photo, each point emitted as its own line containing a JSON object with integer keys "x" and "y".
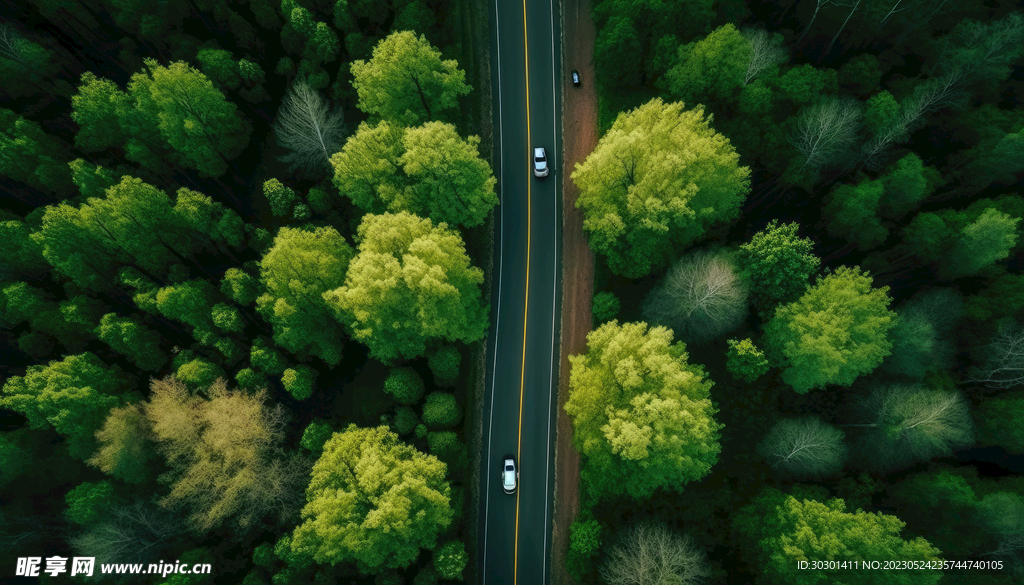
{"x": 444, "y": 364}
{"x": 199, "y": 373}
{"x": 266, "y": 358}
{"x": 1000, "y": 421}
{"x": 125, "y": 445}
{"x": 605, "y": 306}
{"x": 407, "y": 82}
{"x": 227, "y": 318}
{"x": 584, "y": 543}
{"x": 299, "y": 381}
{"x": 296, "y": 271}
{"x": 373, "y": 500}
{"x": 411, "y": 284}
{"x": 711, "y": 68}
{"x": 441, "y": 411}
{"x": 450, "y": 560}
{"x": 405, "y": 421}
{"x": 190, "y": 302}
{"x": 745, "y": 360}
{"x": 238, "y": 286}
{"x": 852, "y": 213}
{"x": 316, "y": 435}
{"x": 220, "y": 67}
{"x": 249, "y": 379}
{"x": 617, "y": 50}
{"x": 33, "y": 157}
{"x": 132, "y": 339}
{"x": 449, "y": 182}
{"x": 804, "y": 447}
{"x": 907, "y": 184}
{"x": 909, "y": 424}
{"x": 981, "y": 244}
{"x": 777, "y": 264}
{"x": 89, "y": 502}
{"x": 97, "y": 108}
{"x": 280, "y": 197}
{"x": 656, "y": 181}
{"x": 225, "y": 454}
{"x": 700, "y": 298}
{"x": 642, "y": 416}
{"x": 23, "y": 256}
{"x": 404, "y": 385}
{"x": 73, "y": 396}
{"x": 91, "y": 180}
{"x": 367, "y": 169}
{"x": 923, "y": 337}
{"x": 784, "y": 530}
{"x": 834, "y": 333}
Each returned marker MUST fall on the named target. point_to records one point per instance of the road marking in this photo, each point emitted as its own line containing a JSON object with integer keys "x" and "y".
{"x": 522, "y": 371}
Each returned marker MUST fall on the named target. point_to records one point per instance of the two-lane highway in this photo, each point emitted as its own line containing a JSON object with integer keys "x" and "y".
{"x": 519, "y": 412}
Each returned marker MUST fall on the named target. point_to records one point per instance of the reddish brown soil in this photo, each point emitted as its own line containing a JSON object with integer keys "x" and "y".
{"x": 579, "y": 137}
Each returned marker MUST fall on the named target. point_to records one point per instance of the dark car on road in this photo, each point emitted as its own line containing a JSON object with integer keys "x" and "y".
{"x": 575, "y": 77}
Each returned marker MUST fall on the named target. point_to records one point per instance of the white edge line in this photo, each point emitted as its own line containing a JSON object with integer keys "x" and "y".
{"x": 497, "y": 316}
{"x": 554, "y": 294}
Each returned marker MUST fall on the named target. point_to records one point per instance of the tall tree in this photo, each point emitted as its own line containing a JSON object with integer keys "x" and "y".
{"x": 225, "y": 454}
{"x": 125, "y": 444}
{"x": 981, "y": 244}
{"x": 909, "y": 424}
{"x": 701, "y": 297}
{"x": 73, "y": 396}
{"x": 852, "y": 213}
{"x": 651, "y": 553}
{"x": 834, "y": 333}
{"x": 656, "y": 181}
{"x": 374, "y": 500}
{"x": 308, "y": 127}
{"x": 368, "y": 168}
{"x": 29, "y": 155}
{"x": 804, "y": 447}
{"x": 407, "y": 82}
{"x": 410, "y": 285}
{"x": 136, "y": 341}
{"x": 712, "y": 67}
{"x": 778, "y": 265}
{"x": 299, "y": 268}
{"x": 784, "y": 530}
{"x": 642, "y": 416}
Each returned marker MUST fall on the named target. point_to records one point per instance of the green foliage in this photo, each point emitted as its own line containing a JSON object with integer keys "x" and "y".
{"x": 406, "y": 421}
{"x": 444, "y": 364}
{"x": 617, "y": 49}
{"x": 441, "y": 411}
{"x": 852, "y": 212}
{"x": 238, "y": 286}
{"x": 427, "y": 575}
{"x": 73, "y": 396}
{"x": 220, "y": 67}
{"x": 420, "y": 431}
{"x": 605, "y": 306}
{"x": 190, "y": 302}
{"x": 410, "y": 284}
{"x": 299, "y": 381}
{"x": 778, "y": 265}
{"x": 263, "y": 555}
{"x": 710, "y": 68}
{"x": 15, "y": 458}
{"x": 227, "y": 318}
{"x": 404, "y": 385}
{"x": 407, "y": 82}
{"x": 124, "y": 445}
{"x": 922, "y": 338}
{"x": 585, "y": 537}
{"x": 300, "y": 267}
{"x": 137, "y": 342}
{"x": 861, "y": 75}
{"x": 22, "y": 255}
{"x": 783, "y": 530}
{"x": 199, "y": 373}
{"x": 450, "y": 560}
{"x": 642, "y": 415}
{"x": 745, "y": 361}
{"x": 32, "y": 156}
{"x": 834, "y": 333}
{"x": 981, "y": 244}
{"x": 89, "y": 502}
{"x": 882, "y": 113}
{"x": 265, "y": 357}
{"x": 385, "y": 526}
{"x": 316, "y": 435}
{"x": 280, "y": 197}
{"x": 1000, "y": 421}
{"x": 907, "y": 183}
{"x": 249, "y": 379}
{"x": 366, "y": 170}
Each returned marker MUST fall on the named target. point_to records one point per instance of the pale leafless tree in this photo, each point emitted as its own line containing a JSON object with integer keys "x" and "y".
{"x": 909, "y": 423}
{"x": 805, "y": 447}
{"x": 651, "y": 554}
{"x": 12, "y": 46}
{"x": 308, "y": 127}
{"x": 826, "y": 129}
{"x": 853, "y": 8}
{"x": 1004, "y": 359}
{"x": 136, "y": 533}
{"x": 765, "y": 50}
{"x": 700, "y": 298}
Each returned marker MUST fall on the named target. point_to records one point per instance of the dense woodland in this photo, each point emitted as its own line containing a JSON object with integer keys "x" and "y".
{"x": 240, "y": 287}
{"x": 808, "y": 336}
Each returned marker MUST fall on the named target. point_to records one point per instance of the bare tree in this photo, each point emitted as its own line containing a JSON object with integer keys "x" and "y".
{"x": 908, "y": 424}
{"x": 765, "y": 50}
{"x": 308, "y": 127}
{"x": 651, "y": 554}
{"x": 826, "y": 129}
{"x": 133, "y": 534}
{"x": 1004, "y": 359}
{"x": 12, "y": 46}
{"x": 853, "y": 8}
{"x": 804, "y": 447}
{"x": 700, "y": 298}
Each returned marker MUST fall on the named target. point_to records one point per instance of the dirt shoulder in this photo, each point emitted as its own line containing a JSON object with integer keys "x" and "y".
{"x": 579, "y": 138}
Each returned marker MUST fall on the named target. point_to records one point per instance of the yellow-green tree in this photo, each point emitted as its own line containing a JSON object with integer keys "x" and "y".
{"x": 642, "y": 415}
{"x": 374, "y": 500}
{"x": 656, "y": 181}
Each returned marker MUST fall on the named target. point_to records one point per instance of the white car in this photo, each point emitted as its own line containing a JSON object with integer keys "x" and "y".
{"x": 509, "y": 475}
{"x": 540, "y": 162}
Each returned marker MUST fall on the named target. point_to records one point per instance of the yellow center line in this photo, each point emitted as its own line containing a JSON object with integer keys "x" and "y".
{"x": 522, "y": 371}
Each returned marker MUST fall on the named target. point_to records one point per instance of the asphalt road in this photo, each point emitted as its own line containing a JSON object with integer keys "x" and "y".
{"x": 519, "y": 412}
